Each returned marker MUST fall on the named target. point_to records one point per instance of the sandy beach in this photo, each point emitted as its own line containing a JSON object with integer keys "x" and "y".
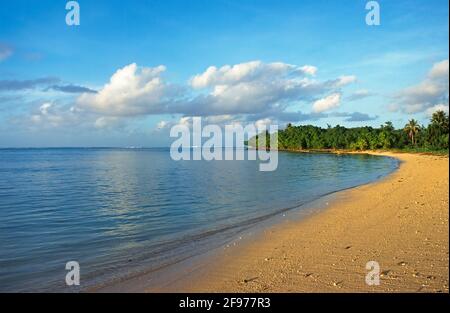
{"x": 401, "y": 222}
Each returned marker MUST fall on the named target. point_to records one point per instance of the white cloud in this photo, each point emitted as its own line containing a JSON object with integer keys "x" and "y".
{"x": 330, "y": 102}
{"x": 309, "y": 69}
{"x": 220, "y": 120}
{"x": 44, "y": 109}
{"x": 245, "y": 88}
{"x": 225, "y": 75}
{"x": 244, "y": 72}
{"x": 187, "y": 121}
{"x": 49, "y": 115}
{"x": 54, "y": 115}
{"x": 439, "y": 70}
{"x": 345, "y": 80}
{"x": 256, "y": 87}
{"x": 260, "y": 124}
{"x": 183, "y": 121}
{"x": 432, "y": 91}
{"x": 132, "y": 90}
{"x": 437, "y": 107}
{"x": 245, "y": 92}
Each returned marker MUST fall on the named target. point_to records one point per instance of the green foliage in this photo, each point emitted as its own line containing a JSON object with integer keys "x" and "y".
{"x": 434, "y": 137}
{"x": 412, "y": 129}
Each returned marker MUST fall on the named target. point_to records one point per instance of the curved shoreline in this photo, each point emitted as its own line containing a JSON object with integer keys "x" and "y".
{"x": 162, "y": 278}
{"x": 400, "y": 221}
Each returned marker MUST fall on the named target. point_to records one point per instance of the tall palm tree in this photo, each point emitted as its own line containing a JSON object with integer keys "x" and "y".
{"x": 440, "y": 119}
{"x": 412, "y": 128}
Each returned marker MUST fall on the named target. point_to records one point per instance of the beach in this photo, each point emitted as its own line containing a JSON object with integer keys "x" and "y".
{"x": 400, "y": 222}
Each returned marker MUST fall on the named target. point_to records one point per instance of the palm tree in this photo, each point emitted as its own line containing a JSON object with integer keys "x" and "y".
{"x": 412, "y": 128}
{"x": 440, "y": 119}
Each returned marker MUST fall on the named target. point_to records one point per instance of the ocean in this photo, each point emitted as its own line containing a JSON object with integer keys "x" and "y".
{"x": 121, "y": 211}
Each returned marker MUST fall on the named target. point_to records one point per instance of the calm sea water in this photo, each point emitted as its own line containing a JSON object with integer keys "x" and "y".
{"x": 119, "y": 211}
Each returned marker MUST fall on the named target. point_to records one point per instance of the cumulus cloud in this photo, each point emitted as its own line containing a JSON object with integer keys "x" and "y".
{"x": 49, "y": 115}
{"x": 242, "y": 89}
{"x": 5, "y": 51}
{"x": 131, "y": 91}
{"x": 325, "y": 104}
{"x": 248, "y": 88}
{"x": 246, "y": 72}
{"x": 246, "y": 92}
{"x": 53, "y": 115}
{"x": 432, "y": 91}
{"x": 437, "y": 107}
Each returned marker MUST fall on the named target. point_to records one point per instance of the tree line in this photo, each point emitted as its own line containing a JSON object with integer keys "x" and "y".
{"x": 435, "y": 136}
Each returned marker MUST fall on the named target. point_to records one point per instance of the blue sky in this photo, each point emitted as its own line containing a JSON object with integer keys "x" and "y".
{"x": 305, "y": 62}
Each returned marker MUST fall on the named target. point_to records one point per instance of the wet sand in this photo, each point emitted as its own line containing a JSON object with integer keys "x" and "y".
{"x": 401, "y": 222}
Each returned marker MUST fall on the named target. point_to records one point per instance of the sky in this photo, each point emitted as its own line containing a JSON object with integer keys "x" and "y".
{"x": 133, "y": 69}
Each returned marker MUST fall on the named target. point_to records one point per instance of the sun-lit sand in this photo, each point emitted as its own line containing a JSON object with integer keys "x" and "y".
{"x": 401, "y": 222}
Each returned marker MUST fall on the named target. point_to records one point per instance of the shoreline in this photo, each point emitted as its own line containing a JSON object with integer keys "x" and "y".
{"x": 400, "y": 221}
{"x": 172, "y": 277}
{"x": 322, "y": 252}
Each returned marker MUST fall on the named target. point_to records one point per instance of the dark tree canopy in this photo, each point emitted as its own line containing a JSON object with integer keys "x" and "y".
{"x": 433, "y": 137}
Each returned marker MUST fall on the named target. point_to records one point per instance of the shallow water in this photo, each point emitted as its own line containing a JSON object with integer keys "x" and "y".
{"x": 120, "y": 211}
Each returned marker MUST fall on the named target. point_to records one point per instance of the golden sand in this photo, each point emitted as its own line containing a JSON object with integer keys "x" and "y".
{"x": 401, "y": 222}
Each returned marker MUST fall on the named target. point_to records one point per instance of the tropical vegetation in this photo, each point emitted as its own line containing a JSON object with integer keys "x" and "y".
{"x": 413, "y": 136}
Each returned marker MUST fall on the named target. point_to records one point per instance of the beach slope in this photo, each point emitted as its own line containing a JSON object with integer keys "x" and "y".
{"x": 401, "y": 222}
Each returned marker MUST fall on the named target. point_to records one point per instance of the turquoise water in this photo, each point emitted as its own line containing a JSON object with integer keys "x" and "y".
{"x": 120, "y": 211}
